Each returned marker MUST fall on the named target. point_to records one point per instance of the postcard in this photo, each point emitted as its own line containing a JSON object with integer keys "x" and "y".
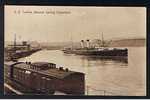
{"x": 75, "y": 50}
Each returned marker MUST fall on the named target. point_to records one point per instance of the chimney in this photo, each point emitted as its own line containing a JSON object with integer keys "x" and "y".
{"x": 87, "y": 43}
{"x": 82, "y": 43}
{"x": 61, "y": 68}
{"x": 67, "y": 69}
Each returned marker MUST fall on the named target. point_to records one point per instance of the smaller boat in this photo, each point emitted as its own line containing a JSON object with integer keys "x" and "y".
{"x": 68, "y": 50}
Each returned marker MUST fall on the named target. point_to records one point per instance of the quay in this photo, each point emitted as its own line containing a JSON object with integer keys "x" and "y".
{"x": 9, "y": 88}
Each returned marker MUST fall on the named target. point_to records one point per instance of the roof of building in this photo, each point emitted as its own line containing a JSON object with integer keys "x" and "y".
{"x": 39, "y": 64}
{"x": 57, "y": 73}
{"x": 9, "y": 63}
{"x": 53, "y": 72}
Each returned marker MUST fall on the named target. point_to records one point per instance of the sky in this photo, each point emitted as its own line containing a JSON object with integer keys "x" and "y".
{"x": 72, "y": 23}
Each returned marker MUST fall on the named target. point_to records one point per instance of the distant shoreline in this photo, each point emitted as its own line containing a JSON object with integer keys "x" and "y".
{"x": 129, "y": 43}
{"x": 140, "y": 42}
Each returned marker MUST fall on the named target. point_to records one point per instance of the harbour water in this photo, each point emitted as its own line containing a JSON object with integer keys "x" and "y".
{"x": 103, "y": 76}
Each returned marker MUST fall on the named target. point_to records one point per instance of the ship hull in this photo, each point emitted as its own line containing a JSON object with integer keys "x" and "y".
{"x": 102, "y": 53}
{"x": 16, "y": 55}
{"x": 24, "y": 54}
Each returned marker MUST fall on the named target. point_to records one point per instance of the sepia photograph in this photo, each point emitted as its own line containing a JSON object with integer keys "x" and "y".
{"x": 75, "y": 50}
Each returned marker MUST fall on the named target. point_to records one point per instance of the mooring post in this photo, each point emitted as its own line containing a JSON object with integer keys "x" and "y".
{"x": 104, "y": 92}
{"x": 87, "y": 87}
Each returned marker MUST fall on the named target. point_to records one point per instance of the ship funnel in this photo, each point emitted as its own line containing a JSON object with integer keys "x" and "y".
{"x": 82, "y": 43}
{"x": 87, "y": 43}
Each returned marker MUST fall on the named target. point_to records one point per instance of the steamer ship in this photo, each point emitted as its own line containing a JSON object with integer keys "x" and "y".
{"x": 16, "y": 51}
{"x": 102, "y": 51}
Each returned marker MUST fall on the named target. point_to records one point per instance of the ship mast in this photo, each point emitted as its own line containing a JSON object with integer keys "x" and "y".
{"x": 71, "y": 42}
{"x": 15, "y": 42}
{"x": 102, "y": 40}
{"x": 101, "y": 44}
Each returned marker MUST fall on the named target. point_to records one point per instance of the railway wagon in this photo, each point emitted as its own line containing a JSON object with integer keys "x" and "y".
{"x": 46, "y": 78}
{"x": 8, "y": 68}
